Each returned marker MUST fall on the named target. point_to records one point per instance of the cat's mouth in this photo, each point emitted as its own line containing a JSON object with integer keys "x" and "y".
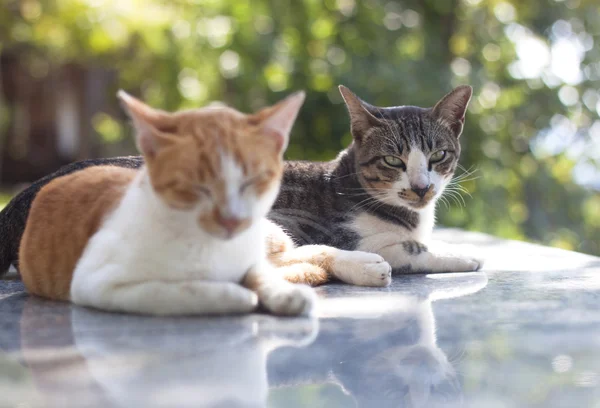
{"x": 419, "y": 204}
{"x": 414, "y": 201}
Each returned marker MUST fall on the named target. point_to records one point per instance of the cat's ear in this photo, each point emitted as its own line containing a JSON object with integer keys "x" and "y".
{"x": 450, "y": 110}
{"x": 361, "y": 119}
{"x": 150, "y": 124}
{"x": 276, "y": 121}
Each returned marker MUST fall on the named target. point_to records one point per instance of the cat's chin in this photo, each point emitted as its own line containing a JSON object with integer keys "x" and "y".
{"x": 416, "y": 205}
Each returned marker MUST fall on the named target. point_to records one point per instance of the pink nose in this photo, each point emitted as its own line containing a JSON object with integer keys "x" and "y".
{"x": 229, "y": 223}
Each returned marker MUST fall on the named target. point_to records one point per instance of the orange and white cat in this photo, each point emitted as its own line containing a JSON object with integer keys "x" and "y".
{"x": 185, "y": 234}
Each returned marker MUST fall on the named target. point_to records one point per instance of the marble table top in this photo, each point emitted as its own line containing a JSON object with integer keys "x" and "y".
{"x": 524, "y": 332}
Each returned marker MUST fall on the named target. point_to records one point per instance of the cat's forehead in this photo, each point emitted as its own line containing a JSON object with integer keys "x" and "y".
{"x": 411, "y": 127}
{"x": 210, "y": 114}
{"x": 212, "y": 124}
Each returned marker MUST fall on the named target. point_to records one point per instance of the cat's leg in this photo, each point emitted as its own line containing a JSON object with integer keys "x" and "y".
{"x": 411, "y": 256}
{"x": 302, "y": 272}
{"x": 106, "y": 289}
{"x": 353, "y": 267}
{"x": 278, "y": 295}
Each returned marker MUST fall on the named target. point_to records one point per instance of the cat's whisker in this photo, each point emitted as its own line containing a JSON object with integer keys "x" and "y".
{"x": 457, "y": 198}
{"x": 364, "y": 204}
{"x": 464, "y": 180}
{"x": 444, "y": 200}
{"x": 459, "y": 190}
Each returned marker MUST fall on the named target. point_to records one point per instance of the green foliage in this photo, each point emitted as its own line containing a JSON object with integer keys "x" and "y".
{"x": 186, "y": 53}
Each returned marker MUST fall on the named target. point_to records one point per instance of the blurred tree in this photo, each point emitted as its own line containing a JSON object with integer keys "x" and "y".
{"x": 532, "y": 137}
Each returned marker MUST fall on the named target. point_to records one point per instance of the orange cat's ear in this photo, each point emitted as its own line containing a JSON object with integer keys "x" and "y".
{"x": 150, "y": 124}
{"x": 277, "y": 120}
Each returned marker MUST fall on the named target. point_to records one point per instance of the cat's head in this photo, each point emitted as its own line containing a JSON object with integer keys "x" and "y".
{"x": 221, "y": 165}
{"x": 406, "y": 155}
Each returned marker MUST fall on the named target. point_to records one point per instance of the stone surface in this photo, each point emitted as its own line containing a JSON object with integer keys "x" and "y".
{"x": 525, "y": 332}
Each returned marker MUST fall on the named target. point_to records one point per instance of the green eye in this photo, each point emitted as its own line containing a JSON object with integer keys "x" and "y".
{"x": 393, "y": 161}
{"x": 437, "y": 156}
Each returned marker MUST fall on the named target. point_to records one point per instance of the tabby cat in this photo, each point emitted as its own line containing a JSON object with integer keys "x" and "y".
{"x": 183, "y": 235}
{"x": 379, "y": 195}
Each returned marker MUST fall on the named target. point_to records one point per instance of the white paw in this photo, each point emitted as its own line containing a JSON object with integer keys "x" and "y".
{"x": 237, "y": 299}
{"x": 288, "y": 299}
{"x": 362, "y": 268}
{"x": 460, "y": 264}
{"x": 458, "y": 256}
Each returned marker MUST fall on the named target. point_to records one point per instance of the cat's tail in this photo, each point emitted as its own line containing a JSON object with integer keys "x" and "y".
{"x": 14, "y": 216}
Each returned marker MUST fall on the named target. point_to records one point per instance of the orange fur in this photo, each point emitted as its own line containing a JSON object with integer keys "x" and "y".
{"x": 63, "y": 217}
{"x": 311, "y": 265}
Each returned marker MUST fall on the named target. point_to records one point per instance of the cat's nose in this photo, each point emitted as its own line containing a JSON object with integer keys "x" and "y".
{"x": 421, "y": 190}
{"x": 231, "y": 224}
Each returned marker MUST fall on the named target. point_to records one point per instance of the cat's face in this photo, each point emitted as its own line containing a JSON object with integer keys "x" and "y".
{"x": 222, "y": 166}
{"x": 406, "y": 155}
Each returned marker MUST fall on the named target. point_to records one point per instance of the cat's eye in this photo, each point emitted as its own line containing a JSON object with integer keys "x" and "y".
{"x": 255, "y": 180}
{"x": 202, "y": 191}
{"x": 393, "y": 161}
{"x": 248, "y": 183}
{"x": 437, "y": 156}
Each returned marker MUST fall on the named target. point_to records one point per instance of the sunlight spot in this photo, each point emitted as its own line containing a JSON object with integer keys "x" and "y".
{"x": 567, "y": 55}
{"x": 590, "y": 99}
{"x": 190, "y": 87}
{"x": 534, "y": 56}
{"x": 392, "y": 21}
{"x": 230, "y": 64}
{"x": 489, "y": 95}
{"x": 336, "y": 55}
{"x": 491, "y": 148}
{"x": 587, "y": 379}
{"x": 181, "y": 29}
{"x": 411, "y": 18}
{"x": 568, "y": 95}
{"x": 460, "y": 67}
{"x": 587, "y": 174}
{"x": 561, "y": 28}
{"x": 491, "y": 52}
{"x": 556, "y": 139}
{"x": 263, "y": 24}
{"x": 505, "y": 12}
{"x": 346, "y": 7}
{"x": 216, "y": 30}
{"x": 562, "y": 363}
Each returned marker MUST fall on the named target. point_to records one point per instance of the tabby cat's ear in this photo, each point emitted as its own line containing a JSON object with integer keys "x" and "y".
{"x": 150, "y": 124}
{"x": 360, "y": 117}
{"x": 276, "y": 121}
{"x": 450, "y": 110}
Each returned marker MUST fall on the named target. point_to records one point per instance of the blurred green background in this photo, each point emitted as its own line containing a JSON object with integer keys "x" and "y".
{"x": 532, "y": 135}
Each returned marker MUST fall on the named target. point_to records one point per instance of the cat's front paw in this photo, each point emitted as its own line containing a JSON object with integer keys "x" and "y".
{"x": 362, "y": 268}
{"x": 460, "y": 264}
{"x": 288, "y": 299}
{"x": 459, "y": 256}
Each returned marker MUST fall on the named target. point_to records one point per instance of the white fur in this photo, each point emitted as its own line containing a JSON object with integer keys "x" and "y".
{"x": 417, "y": 169}
{"x": 361, "y": 268}
{"x": 385, "y": 239}
{"x": 150, "y": 258}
